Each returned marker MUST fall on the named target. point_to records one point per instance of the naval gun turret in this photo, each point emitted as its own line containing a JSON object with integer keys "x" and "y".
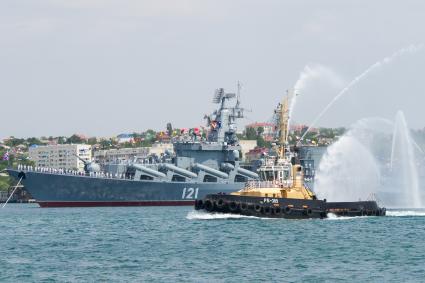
{"x": 89, "y": 167}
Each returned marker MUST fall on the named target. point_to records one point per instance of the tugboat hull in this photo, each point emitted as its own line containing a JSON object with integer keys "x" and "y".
{"x": 285, "y": 207}
{"x": 263, "y": 206}
{"x": 357, "y": 208}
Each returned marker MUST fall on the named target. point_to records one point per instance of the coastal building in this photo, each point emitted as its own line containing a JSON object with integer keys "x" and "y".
{"x": 121, "y": 154}
{"x": 159, "y": 148}
{"x": 61, "y": 156}
{"x": 124, "y": 154}
{"x": 256, "y": 153}
{"x": 267, "y": 129}
{"x": 247, "y": 146}
{"x": 125, "y": 138}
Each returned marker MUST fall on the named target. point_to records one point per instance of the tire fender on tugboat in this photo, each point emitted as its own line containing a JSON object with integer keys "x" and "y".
{"x": 233, "y": 206}
{"x": 220, "y": 203}
{"x": 244, "y": 206}
{"x": 258, "y": 208}
{"x": 208, "y": 205}
{"x": 288, "y": 210}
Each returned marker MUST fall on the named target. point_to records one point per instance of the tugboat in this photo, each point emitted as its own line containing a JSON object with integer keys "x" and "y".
{"x": 281, "y": 191}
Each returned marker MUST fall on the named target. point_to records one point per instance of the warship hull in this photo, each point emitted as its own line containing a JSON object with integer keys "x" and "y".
{"x": 58, "y": 190}
{"x": 285, "y": 207}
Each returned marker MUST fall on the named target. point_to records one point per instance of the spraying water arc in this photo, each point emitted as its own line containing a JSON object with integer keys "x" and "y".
{"x": 387, "y": 60}
{"x": 309, "y": 74}
{"x": 403, "y": 162}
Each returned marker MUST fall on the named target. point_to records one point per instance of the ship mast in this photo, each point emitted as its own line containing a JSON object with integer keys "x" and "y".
{"x": 283, "y": 123}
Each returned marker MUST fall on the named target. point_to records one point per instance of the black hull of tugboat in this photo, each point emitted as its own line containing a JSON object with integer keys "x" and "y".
{"x": 357, "y": 208}
{"x": 263, "y": 206}
{"x": 285, "y": 207}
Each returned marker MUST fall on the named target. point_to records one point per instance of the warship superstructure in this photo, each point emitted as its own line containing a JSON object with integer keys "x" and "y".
{"x": 197, "y": 168}
{"x": 281, "y": 191}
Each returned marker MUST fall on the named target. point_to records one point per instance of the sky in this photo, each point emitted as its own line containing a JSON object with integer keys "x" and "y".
{"x": 101, "y": 68}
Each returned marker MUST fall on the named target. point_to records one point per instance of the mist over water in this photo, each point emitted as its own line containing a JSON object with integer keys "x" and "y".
{"x": 348, "y": 171}
{"x": 376, "y": 158}
{"x": 403, "y": 162}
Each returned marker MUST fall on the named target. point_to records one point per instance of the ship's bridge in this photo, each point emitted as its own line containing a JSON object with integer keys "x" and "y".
{"x": 279, "y": 173}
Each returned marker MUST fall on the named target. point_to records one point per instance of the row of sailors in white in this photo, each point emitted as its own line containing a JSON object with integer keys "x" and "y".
{"x": 49, "y": 170}
{"x": 69, "y": 172}
{"x": 106, "y": 175}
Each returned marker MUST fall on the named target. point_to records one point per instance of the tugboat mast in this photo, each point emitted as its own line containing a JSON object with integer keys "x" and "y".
{"x": 282, "y": 113}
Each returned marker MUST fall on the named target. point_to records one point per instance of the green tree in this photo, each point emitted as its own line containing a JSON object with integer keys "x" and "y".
{"x": 34, "y": 140}
{"x": 251, "y": 134}
{"x": 75, "y": 139}
{"x": 260, "y": 131}
{"x": 61, "y": 140}
{"x": 92, "y": 141}
{"x": 12, "y": 141}
{"x": 105, "y": 144}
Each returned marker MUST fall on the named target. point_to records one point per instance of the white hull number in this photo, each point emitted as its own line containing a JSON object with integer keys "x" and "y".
{"x": 190, "y": 193}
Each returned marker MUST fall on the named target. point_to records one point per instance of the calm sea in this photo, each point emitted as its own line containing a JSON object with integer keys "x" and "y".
{"x": 169, "y": 244}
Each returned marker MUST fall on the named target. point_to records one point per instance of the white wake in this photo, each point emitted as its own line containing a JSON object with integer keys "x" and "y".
{"x": 401, "y": 213}
{"x": 332, "y": 216}
{"x": 202, "y": 215}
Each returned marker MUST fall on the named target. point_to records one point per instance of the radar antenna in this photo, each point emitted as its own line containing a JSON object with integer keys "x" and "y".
{"x": 218, "y": 95}
{"x": 238, "y": 96}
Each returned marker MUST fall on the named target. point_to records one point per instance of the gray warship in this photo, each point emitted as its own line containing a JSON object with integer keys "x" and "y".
{"x": 196, "y": 169}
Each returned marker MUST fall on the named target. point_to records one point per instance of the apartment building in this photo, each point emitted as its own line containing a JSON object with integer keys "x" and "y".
{"x": 61, "y": 156}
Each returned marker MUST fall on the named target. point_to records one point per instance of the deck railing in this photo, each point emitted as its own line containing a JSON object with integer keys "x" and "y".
{"x": 47, "y": 170}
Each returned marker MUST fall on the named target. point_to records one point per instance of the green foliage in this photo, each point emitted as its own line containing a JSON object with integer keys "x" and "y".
{"x": 127, "y": 145}
{"x": 251, "y": 134}
{"x": 14, "y": 141}
{"x": 61, "y": 140}
{"x": 340, "y": 131}
{"x": 262, "y": 143}
{"x": 136, "y": 135}
{"x": 146, "y": 143}
{"x": 75, "y": 139}
{"x": 260, "y": 131}
{"x": 92, "y": 141}
{"x": 33, "y": 140}
{"x": 105, "y": 144}
{"x": 5, "y": 183}
{"x": 310, "y": 136}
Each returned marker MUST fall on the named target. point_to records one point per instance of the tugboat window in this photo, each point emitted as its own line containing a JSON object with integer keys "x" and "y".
{"x": 269, "y": 175}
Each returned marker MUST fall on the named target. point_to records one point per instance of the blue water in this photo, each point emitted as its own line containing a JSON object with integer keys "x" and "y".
{"x": 168, "y": 244}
